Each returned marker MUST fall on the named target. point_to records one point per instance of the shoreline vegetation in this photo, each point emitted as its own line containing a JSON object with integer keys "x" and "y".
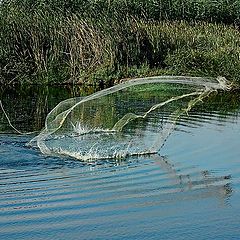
{"x": 99, "y": 42}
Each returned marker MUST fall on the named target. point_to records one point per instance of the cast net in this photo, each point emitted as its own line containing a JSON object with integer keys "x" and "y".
{"x": 132, "y": 118}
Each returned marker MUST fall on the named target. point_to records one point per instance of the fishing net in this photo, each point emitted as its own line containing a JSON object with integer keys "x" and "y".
{"x": 131, "y": 118}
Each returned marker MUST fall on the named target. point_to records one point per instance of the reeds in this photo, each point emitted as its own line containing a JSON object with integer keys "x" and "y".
{"x": 78, "y": 41}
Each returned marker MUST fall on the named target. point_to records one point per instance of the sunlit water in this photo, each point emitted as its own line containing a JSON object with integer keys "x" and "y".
{"x": 190, "y": 190}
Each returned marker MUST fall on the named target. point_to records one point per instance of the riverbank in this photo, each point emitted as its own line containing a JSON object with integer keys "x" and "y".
{"x": 99, "y": 43}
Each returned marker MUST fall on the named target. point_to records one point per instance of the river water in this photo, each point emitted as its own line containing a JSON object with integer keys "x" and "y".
{"x": 190, "y": 190}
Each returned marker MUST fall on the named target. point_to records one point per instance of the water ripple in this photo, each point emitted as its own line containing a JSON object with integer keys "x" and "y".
{"x": 190, "y": 190}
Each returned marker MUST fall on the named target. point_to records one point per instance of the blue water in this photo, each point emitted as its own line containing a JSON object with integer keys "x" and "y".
{"x": 190, "y": 190}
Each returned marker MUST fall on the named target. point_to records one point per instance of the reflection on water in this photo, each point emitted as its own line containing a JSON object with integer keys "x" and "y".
{"x": 191, "y": 190}
{"x": 27, "y": 107}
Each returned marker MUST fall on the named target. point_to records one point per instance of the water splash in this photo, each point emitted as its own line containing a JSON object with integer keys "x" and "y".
{"x": 114, "y": 123}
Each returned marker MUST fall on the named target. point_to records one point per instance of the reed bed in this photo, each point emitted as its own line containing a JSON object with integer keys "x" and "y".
{"x": 101, "y": 41}
{"x": 224, "y": 11}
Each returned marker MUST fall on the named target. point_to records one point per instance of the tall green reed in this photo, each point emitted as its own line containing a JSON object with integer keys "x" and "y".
{"x": 57, "y": 41}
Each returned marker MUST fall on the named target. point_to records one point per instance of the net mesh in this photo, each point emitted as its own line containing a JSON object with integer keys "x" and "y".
{"x": 132, "y": 118}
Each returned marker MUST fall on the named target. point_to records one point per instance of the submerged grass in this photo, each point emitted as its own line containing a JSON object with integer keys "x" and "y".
{"x": 104, "y": 40}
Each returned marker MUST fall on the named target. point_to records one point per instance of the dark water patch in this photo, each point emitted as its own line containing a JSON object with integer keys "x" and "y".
{"x": 27, "y": 106}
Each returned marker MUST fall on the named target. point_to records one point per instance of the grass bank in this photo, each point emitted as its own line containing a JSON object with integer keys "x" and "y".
{"x": 99, "y": 42}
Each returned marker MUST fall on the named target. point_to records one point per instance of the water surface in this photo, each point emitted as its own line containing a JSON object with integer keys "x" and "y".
{"x": 190, "y": 190}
